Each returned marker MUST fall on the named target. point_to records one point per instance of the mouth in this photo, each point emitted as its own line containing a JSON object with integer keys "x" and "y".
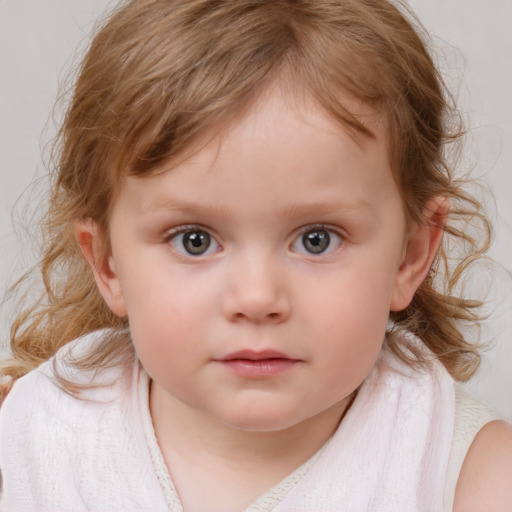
{"x": 258, "y": 364}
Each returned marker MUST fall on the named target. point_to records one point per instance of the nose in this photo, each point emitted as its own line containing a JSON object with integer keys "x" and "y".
{"x": 257, "y": 292}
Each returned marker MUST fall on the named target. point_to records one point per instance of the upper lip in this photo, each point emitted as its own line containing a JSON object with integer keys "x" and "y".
{"x": 256, "y": 355}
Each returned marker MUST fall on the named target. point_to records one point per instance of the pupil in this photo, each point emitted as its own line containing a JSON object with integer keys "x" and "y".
{"x": 196, "y": 242}
{"x": 316, "y": 242}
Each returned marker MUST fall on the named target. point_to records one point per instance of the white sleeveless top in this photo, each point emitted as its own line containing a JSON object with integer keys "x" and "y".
{"x": 99, "y": 452}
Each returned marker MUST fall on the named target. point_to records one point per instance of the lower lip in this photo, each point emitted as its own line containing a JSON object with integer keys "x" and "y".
{"x": 260, "y": 368}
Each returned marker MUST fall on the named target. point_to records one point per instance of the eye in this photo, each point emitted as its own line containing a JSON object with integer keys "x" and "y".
{"x": 193, "y": 242}
{"x": 317, "y": 240}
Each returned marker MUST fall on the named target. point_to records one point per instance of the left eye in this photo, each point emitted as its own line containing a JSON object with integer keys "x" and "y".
{"x": 194, "y": 242}
{"x": 317, "y": 241}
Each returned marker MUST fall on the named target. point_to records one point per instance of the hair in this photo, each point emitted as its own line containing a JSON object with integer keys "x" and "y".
{"x": 162, "y": 75}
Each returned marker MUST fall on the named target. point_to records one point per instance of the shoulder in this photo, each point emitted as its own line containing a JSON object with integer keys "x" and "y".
{"x": 39, "y": 400}
{"x": 65, "y": 374}
{"x": 44, "y": 429}
{"x": 484, "y": 481}
{"x": 31, "y": 432}
{"x": 40, "y": 410}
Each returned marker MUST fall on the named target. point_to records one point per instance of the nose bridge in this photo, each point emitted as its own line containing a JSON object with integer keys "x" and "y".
{"x": 257, "y": 290}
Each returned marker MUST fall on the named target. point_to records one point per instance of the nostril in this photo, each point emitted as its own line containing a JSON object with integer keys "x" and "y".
{"x": 268, "y": 317}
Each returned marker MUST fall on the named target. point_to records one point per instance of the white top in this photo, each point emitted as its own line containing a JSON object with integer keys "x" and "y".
{"x": 99, "y": 453}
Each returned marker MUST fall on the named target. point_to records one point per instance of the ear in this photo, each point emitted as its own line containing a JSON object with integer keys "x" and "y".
{"x": 91, "y": 241}
{"x": 420, "y": 250}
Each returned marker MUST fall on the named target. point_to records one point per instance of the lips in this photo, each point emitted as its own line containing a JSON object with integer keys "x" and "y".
{"x": 258, "y": 364}
{"x": 255, "y": 355}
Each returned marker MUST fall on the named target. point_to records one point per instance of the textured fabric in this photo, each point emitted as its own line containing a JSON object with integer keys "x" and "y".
{"x": 59, "y": 453}
{"x": 471, "y": 414}
{"x": 391, "y": 450}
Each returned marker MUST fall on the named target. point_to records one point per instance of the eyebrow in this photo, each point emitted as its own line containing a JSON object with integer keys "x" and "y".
{"x": 326, "y": 208}
{"x": 301, "y": 210}
{"x": 168, "y": 204}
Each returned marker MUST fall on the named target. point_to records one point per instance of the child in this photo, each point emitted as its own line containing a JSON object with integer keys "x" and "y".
{"x": 245, "y": 259}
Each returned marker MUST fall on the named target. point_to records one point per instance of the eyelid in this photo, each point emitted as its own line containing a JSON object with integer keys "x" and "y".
{"x": 182, "y": 228}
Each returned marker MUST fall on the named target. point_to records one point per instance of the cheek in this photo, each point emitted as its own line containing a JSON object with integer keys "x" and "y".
{"x": 348, "y": 321}
{"x": 166, "y": 340}
{"x": 167, "y": 320}
{"x": 171, "y": 313}
{"x": 349, "y": 356}
{"x": 350, "y": 302}
{"x": 166, "y": 295}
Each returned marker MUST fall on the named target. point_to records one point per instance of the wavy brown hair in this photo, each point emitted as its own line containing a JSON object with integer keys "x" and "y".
{"x": 161, "y": 75}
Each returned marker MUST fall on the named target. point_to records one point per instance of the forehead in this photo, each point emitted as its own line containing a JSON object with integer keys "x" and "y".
{"x": 285, "y": 150}
{"x": 286, "y": 113}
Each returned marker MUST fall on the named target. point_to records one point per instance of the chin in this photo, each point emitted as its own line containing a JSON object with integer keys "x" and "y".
{"x": 262, "y": 420}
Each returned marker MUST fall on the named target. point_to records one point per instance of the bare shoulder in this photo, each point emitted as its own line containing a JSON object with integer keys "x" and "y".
{"x": 485, "y": 479}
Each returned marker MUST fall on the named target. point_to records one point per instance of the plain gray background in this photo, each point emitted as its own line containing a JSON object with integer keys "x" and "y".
{"x": 473, "y": 44}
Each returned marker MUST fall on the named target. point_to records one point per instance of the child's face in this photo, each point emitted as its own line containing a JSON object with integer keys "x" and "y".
{"x": 258, "y": 275}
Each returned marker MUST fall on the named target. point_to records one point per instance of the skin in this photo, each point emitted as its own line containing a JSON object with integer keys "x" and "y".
{"x": 273, "y": 176}
{"x": 486, "y": 475}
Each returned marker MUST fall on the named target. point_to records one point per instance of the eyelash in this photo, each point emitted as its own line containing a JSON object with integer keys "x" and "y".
{"x": 324, "y": 243}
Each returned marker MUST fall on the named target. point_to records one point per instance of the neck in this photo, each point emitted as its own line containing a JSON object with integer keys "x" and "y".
{"x": 199, "y": 448}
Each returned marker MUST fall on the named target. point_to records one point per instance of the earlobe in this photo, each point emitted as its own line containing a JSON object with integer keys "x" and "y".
{"x": 89, "y": 237}
{"x": 420, "y": 250}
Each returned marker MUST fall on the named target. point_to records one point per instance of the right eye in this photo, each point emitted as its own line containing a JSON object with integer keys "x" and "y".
{"x": 193, "y": 242}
